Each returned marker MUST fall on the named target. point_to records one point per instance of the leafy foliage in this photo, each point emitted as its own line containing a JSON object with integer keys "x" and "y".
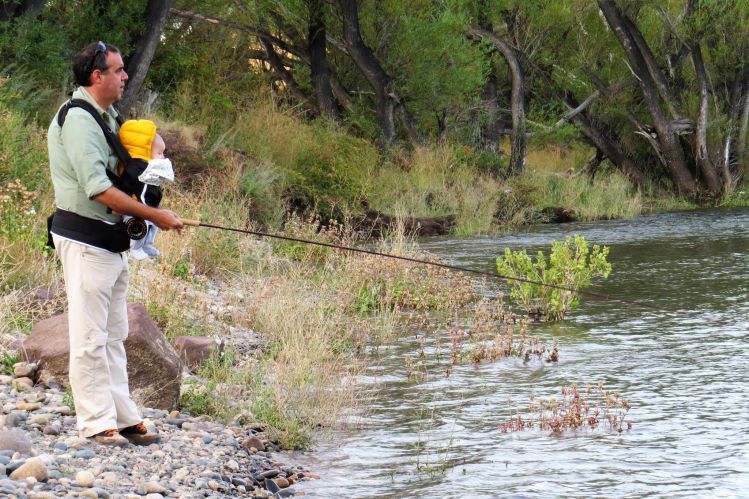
{"x": 571, "y": 265}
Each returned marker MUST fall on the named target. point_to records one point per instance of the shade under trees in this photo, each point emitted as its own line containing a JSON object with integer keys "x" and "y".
{"x": 658, "y": 88}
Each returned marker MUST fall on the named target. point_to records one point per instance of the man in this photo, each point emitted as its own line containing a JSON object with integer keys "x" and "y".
{"x": 87, "y": 230}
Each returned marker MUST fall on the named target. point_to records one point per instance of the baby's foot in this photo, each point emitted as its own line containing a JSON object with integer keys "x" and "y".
{"x": 151, "y": 250}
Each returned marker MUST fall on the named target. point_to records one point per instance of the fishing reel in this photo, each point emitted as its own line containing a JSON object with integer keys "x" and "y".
{"x": 136, "y": 229}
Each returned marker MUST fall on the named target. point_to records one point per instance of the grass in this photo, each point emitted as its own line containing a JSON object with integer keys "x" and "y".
{"x": 317, "y": 309}
{"x": 610, "y": 196}
{"x": 432, "y": 181}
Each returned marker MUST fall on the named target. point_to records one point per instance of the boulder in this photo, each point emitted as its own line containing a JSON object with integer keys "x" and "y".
{"x": 193, "y": 350}
{"x": 153, "y": 367}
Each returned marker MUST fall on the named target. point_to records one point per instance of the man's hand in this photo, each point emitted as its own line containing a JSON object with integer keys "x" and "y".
{"x": 167, "y": 220}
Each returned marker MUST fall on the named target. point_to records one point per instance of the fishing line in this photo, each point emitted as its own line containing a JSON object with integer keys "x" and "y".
{"x": 591, "y": 294}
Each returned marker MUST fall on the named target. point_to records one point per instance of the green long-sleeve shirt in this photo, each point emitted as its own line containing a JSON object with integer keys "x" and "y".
{"x": 78, "y": 156}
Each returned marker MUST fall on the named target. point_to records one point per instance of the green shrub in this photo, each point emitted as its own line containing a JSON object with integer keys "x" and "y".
{"x": 570, "y": 265}
{"x": 8, "y": 360}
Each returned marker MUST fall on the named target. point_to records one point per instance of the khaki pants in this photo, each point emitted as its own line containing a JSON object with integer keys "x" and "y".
{"x": 96, "y": 284}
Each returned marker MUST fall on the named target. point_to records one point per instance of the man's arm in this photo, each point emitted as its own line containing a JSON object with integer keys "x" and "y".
{"x": 120, "y": 202}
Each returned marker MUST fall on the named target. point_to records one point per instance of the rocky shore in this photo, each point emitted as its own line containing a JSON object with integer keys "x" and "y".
{"x": 42, "y": 456}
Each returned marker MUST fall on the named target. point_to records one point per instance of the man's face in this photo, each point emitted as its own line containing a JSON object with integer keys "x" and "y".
{"x": 112, "y": 81}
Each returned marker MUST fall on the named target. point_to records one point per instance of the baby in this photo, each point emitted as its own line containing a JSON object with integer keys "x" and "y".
{"x": 141, "y": 140}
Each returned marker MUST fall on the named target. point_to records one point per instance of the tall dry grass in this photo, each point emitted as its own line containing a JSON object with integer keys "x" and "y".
{"x": 430, "y": 181}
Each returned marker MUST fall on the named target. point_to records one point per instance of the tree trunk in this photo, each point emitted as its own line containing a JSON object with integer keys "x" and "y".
{"x": 670, "y": 149}
{"x": 517, "y": 100}
{"x": 704, "y": 161}
{"x": 10, "y": 9}
{"x": 655, "y": 72}
{"x": 611, "y": 149}
{"x": 320, "y": 70}
{"x": 157, "y": 12}
{"x": 591, "y": 168}
{"x": 341, "y": 95}
{"x": 365, "y": 60}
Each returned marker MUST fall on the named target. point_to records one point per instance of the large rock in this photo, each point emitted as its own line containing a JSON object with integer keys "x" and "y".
{"x": 153, "y": 366}
{"x": 193, "y": 350}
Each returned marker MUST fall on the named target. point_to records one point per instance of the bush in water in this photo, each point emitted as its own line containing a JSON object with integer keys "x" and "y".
{"x": 571, "y": 265}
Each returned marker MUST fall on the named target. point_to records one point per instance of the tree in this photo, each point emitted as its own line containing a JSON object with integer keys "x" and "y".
{"x": 319, "y": 67}
{"x": 517, "y": 101}
{"x": 389, "y": 102}
{"x": 156, "y": 15}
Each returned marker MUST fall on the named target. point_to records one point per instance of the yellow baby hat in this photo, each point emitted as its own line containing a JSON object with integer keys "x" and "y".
{"x": 137, "y": 137}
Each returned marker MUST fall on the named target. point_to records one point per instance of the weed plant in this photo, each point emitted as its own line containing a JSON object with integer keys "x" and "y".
{"x": 489, "y": 333}
{"x": 592, "y": 409}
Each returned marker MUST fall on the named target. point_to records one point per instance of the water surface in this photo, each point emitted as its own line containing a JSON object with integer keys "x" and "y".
{"x": 684, "y": 375}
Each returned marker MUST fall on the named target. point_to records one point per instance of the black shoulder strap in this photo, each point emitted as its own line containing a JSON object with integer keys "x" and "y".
{"x": 112, "y": 138}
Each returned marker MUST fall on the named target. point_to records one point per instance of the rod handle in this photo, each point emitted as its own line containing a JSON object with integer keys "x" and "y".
{"x": 193, "y": 223}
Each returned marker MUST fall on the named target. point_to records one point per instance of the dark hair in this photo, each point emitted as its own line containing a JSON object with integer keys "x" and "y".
{"x": 90, "y": 58}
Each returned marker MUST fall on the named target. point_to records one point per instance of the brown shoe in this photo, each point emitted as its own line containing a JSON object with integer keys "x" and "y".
{"x": 110, "y": 437}
{"x": 139, "y": 434}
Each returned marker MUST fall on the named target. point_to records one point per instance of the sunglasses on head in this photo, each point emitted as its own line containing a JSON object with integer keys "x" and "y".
{"x": 101, "y": 48}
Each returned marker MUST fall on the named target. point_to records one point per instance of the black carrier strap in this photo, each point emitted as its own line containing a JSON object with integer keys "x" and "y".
{"x": 127, "y": 181}
{"x": 112, "y": 139}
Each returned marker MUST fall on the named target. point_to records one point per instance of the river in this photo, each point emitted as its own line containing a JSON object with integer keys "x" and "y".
{"x": 685, "y": 376}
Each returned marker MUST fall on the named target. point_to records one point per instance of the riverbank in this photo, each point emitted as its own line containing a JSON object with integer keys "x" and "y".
{"x": 44, "y": 457}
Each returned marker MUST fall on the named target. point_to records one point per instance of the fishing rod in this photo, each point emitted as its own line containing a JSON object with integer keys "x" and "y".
{"x": 597, "y": 296}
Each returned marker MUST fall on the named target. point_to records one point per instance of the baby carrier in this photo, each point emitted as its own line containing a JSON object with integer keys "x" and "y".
{"x": 112, "y": 237}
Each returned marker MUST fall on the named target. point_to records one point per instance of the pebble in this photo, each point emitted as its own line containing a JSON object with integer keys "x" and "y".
{"x": 85, "y": 454}
{"x": 28, "y": 406}
{"x": 85, "y": 478}
{"x": 254, "y": 442}
{"x": 52, "y": 429}
{"x": 62, "y": 409}
{"x": 40, "y": 419}
{"x": 267, "y": 474}
{"x": 155, "y": 488}
{"x": 15, "y": 440}
{"x": 34, "y": 467}
{"x": 12, "y": 420}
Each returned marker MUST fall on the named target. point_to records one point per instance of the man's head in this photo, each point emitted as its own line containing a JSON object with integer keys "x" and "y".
{"x": 100, "y": 69}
